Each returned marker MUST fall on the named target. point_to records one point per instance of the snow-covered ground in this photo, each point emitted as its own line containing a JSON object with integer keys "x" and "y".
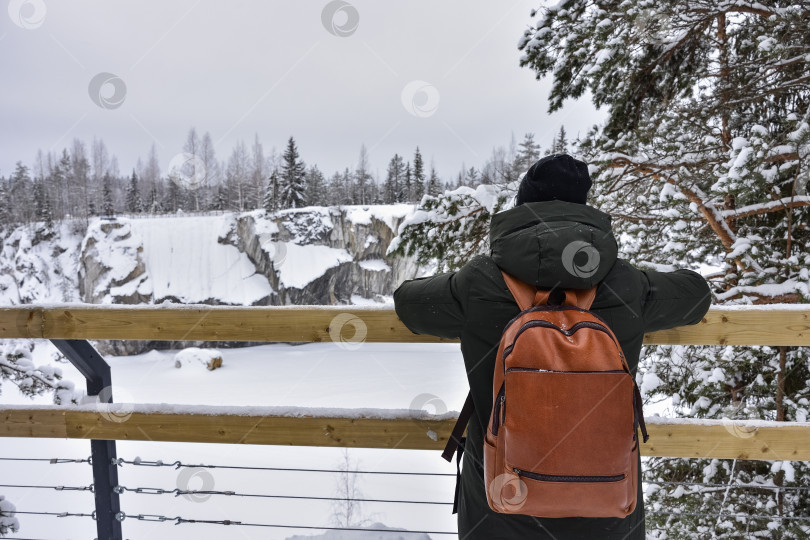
{"x": 387, "y": 376}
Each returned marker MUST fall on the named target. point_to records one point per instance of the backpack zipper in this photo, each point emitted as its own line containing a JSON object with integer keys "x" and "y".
{"x": 569, "y": 332}
{"x": 566, "y": 478}
{"x": 562, "y": 370}
{"x": 498, "y": 410}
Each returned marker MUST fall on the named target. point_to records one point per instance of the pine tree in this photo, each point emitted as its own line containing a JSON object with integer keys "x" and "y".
{"x": 418, "y": 175}
{"x": 434, "y": 185}
{"x": 19, "y": 187}
{"x": 5, "y": 217}
{"x": 560, "y": 144}
{"x": 271, "y": 193}
{"x": 471, "y": 177}
{"x": 362, "y": 178}
{"x": 107, "y": 207}
{"x": 335, "y": 190}
{"x": 292, "y": 181}
{"x": 42, "y": 209}
{"x": 408, "y": 183}
{"x": 315, "y": 187}
{"x": 394, "y": 188}
{"x": 133, "y": 195}
{"x": 704, "y": 158}
{"x": 528, "y": 153}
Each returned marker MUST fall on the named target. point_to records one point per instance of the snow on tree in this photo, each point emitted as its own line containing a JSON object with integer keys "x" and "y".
{"x": 8, "y": 523}
{"x": 449, "y": 229}
{"x": 17, "y": 366}
{"x": 293, "y": 178}
{"x": 704, "y": 158}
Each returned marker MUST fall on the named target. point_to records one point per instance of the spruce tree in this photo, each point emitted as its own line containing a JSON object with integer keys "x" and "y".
{"x": 315, "y": 187}
{"x": 107, "y": 207}
{"x": 408, "y": 183}
{"x": 271, "y": 193}
{"x": 704, "y": 159}
{"x": 133, "y": 194}
{"x": 560, "y": 144}
{"x": 362, "y": 178}
{"x": 418, "y": 175}
{"x": 292, "y": 180}
{"x": 528, "y": 153}
{"x": 394, "y": 189}
{"x": 434, "y": 185}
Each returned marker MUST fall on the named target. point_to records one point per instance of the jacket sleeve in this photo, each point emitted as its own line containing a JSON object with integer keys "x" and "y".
{"x": 674, "y": 299}
{"x": 430, "y": 306}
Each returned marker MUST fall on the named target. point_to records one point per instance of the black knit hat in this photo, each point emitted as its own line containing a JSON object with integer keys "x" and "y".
{"x": 556, "y": 177}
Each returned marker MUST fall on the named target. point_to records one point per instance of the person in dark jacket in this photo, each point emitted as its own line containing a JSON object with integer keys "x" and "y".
{"x": 550, "y": 239}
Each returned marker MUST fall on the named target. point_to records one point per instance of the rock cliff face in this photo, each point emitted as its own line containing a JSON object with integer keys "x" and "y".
{"x": 316, "y": 256}
{"x": 353, "y": 262}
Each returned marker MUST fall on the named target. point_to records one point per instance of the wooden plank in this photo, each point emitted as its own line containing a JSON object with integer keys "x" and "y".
{"x": 754, "y": 325}
{"x": 346, "y": 325}
{"x": 268, "y": 430}
{"x": 48, "y": 423}
{"x": 733, "y": 440}
{"x": 21, "y": 322}
{"x": 220, "y": 323}
{"x": 693, "y": 439}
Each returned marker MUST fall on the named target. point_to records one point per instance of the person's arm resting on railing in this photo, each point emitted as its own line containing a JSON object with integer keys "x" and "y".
{"x": 430, "y": 306}
{"x": 674, "y": 299}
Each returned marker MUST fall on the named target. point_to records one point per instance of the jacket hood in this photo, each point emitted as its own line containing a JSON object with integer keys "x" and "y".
{"x": 554, "y": 244}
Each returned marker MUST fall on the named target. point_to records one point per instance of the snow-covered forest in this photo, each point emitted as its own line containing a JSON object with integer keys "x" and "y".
{"x": 84, "y": 180}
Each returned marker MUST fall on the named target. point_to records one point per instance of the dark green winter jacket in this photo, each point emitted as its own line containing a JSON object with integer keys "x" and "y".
{"x": 547, "y": 244}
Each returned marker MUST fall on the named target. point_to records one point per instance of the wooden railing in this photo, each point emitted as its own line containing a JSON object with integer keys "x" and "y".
{"x": 785, "y": 325}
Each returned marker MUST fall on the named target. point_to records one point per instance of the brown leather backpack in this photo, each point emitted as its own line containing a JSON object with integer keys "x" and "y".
{"x": 562, "y": 436}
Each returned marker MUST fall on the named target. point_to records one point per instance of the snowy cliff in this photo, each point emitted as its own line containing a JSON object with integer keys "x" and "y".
{"x": 314, "y": 255}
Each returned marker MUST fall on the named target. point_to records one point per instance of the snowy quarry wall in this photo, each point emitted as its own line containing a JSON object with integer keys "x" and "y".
{"x": 313, "y": 255}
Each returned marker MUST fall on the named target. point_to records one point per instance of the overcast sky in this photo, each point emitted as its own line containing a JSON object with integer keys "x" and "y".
{"x": 333, "y": 75}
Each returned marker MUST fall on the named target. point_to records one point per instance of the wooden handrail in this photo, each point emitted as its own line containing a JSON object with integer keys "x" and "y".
{"x": 687, "y": 438}
{"x": 754, "y": 325}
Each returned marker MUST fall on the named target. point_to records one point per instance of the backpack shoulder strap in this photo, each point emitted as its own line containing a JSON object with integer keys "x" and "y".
{"x": 527, "y": 295}
{"x": 456, "y": 438}
{"x": 523, "y": 293}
